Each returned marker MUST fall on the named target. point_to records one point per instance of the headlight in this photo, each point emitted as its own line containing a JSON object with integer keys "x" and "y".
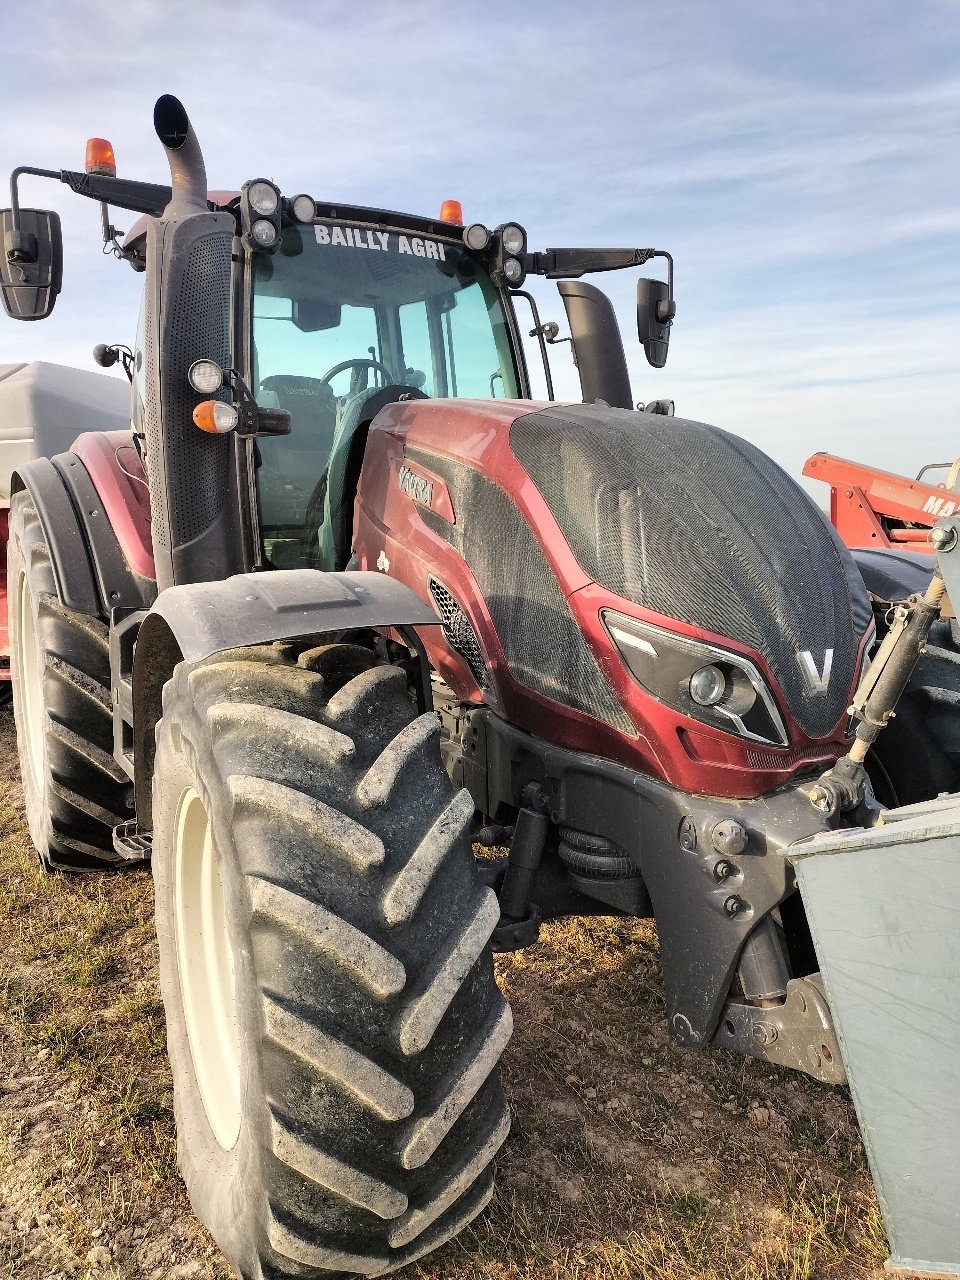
{"x": 476, "y": 237}
{"x": 512, "y": 270}
{"x": 707, "y": 683}
{"x": 264, "y": 232}
{"x": 708, "y": 686}
{"x": 512, "y": 239}
{"x": 205, "y": 376}
{"x": 264, "y": 198}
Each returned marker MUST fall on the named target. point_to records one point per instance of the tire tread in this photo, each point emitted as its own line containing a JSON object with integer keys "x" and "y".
{"x": 376, "y": 992}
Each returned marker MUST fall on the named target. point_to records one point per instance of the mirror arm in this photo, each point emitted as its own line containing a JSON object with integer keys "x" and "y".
{"x": 22, "y": 246}
{"x": 666, "y": 310}
{"x": 571, "y": 264}
{"x": 137, "y": 197}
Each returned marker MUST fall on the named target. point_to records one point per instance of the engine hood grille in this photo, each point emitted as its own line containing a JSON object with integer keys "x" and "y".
{"x": 698, "y": 525}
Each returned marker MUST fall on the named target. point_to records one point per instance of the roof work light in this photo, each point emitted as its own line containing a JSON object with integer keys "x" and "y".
{"x": 476, "y": 237}
{"x": 509, "y": 266}
{"x": 260, "y": 215}
{"x": 304, "y": 208}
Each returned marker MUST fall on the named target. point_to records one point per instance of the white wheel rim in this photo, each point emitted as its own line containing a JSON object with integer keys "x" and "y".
{"x": 31, "y": 695}
{"x": 205, "y": 962}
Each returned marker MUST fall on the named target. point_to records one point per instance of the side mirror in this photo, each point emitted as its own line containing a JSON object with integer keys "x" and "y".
{"x": 31, "y": 263}
{"x": 310, "y": 315}
{"x": 655, "y": 312}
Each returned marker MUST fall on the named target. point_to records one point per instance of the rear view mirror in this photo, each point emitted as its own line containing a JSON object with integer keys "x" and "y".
{"x": 31, "y": 263}
{"x": 310, "y": 315}
{"x": 655, "y": 312}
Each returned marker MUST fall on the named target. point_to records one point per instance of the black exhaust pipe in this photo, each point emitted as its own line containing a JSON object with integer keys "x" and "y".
{"x": 188, "y": 174}
{"x": 197, "y": 535}
{"x": 597, "y": 344}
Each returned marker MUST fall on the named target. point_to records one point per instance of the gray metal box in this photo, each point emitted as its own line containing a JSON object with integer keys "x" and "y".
{"x": 884, "y": 910}
{"x": 44, "y": 407}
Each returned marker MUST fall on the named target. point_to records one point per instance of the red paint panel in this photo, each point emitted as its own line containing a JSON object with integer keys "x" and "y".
{"x": 392, "y": 536}
{"x": 121, "y": 483}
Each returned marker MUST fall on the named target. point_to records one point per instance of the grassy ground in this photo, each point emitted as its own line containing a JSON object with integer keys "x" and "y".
{"x": 629, "y": 1157}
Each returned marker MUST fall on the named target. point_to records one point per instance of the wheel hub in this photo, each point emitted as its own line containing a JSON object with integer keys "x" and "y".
{"x": 206, "y": 966}
{"x": 31, "y": 695}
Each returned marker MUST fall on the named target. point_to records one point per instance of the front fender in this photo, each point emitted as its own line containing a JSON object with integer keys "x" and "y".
{"x": 192, "y": 622}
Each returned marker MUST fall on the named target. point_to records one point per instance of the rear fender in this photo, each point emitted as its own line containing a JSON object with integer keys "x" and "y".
{"x": 90, "y": 567}
{"x": 195, "y": 621}
{"x": 63, "y": 533}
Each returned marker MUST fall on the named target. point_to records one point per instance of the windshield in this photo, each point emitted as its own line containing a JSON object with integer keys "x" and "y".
{"x": 340, "y": 313}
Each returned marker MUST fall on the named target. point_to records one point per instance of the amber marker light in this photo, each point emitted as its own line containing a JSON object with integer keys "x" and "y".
{"x": 100, "y": 158}
{"x": 215, "y": 417}
{"x": 452, "y": 211}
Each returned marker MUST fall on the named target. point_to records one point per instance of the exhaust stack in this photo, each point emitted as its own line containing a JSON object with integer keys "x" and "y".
{"x": 188, "y": 174}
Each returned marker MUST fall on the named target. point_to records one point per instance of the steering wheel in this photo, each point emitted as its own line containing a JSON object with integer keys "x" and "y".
{"x": 357, "y": 364}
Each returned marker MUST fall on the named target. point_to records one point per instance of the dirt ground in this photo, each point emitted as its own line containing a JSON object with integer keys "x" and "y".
{"x": 629, "y": 1157}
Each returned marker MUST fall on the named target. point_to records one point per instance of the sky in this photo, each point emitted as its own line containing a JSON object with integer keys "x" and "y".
{"x": 799, "y": 161}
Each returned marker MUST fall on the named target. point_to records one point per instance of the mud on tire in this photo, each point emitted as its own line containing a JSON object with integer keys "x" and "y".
{"x": 74, "y": 791}
{"x": 363, "y": 1046}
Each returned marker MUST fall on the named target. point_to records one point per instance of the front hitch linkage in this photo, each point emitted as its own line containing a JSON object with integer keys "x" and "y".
{"x": 844, "y": 787}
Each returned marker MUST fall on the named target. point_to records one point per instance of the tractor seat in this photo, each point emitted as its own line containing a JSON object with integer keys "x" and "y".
{"x": 311, "y": 404}
{"x": 292, "y": 465}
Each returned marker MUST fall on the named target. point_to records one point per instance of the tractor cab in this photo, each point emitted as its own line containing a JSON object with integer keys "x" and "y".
{"x": 347, "y": 316}
{"x": 305, "y": 320}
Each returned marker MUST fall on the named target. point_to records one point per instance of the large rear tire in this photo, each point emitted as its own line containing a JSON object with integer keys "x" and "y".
{"x": 333, "y": 1024}
{"x": 74, "y": 791}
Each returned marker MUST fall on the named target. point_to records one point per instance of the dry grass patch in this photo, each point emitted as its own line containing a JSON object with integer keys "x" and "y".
{"x": 88, "y": 1178}
{"x": 630, "y": 1159}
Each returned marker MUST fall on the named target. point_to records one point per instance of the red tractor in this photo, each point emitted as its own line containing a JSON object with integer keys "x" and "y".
{"x": 344, "y": 600}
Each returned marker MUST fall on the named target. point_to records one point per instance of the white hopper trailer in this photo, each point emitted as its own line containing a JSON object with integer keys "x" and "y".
{"x": 43, "y": 408}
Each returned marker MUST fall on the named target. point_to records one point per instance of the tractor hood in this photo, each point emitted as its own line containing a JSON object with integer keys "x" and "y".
{"x": 697, "y": 525}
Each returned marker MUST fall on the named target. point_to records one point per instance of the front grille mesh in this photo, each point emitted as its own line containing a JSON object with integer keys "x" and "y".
{"x": 698, "y": 525}
{"x": 459, "y": 633}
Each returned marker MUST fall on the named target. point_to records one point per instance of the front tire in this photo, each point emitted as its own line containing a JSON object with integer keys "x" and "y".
{"x": 333, "y": 1024}
{"x": 74, "y": 791}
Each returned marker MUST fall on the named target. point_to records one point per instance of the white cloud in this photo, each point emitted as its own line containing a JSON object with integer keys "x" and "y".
{"x": 798, "y": 160}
